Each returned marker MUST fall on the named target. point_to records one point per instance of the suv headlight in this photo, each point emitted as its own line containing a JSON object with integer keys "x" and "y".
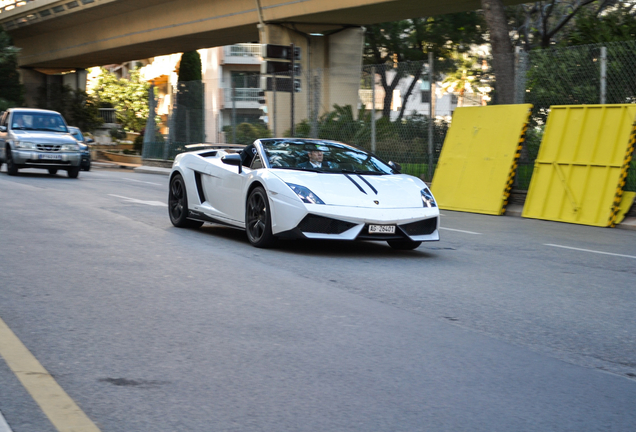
{"x": 427, "y": 198}
{"x": 305, "y": 194}
{"x": 69, "y": 147}
{"x": 24, "y": 144}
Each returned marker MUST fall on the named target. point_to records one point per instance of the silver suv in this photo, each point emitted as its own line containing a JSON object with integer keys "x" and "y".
{"x": 35, "y": 138}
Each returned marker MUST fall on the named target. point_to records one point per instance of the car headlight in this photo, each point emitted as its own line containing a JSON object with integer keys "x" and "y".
{"x": 427, "y": 198}
{"x": 24, "y": 144}
{"x": 305, "y": 194}
{"x": 69, "y": 147}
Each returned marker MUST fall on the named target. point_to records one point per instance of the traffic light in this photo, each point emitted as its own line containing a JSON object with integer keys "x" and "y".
{"x": 281, "y": 68}
{"x": 282, "y": 52}
{"x": 280, "y": 61}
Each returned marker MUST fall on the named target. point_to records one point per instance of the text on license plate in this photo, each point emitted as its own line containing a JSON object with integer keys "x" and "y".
{"x": 50, "y": 156}
{"x": 381, "y": 229}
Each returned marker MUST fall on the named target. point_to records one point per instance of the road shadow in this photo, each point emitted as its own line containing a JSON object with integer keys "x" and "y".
{"x": 325, "y": 248}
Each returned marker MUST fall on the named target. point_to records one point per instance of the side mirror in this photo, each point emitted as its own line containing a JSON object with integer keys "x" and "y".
{"x": 233, "y": 159}
{"x": 396, "y": 166}
{"x": 90, "y": 140}
{"x": 3, "y": 128}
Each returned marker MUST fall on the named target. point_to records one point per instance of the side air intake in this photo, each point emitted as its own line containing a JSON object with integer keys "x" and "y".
{"x": 323, "y": 225}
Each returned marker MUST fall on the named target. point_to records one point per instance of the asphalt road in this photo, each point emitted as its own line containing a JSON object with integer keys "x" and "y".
{"x": 506, "y": 324}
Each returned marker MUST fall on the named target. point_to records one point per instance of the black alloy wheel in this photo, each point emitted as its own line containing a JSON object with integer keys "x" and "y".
{"x": 258, "y": 223}
{"x": 404, "y": 244}
{"x": 12, "y": 169}
{"x": 178, "y": 204}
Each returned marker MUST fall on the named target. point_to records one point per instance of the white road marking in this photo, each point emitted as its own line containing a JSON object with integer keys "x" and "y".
{"x": 592, "y": 251}
{"x": 136, "y": 201}
{"x": 139, "y": 181}
{"x": 4, "y": 427}
{"x": 461, "y": 231}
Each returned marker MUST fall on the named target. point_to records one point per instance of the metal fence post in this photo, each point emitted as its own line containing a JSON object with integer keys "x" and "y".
{"x": 373, "y": 144}
{"x": 233, "y": 114}
{"x": 431, "y": 114}
{"x": 274, "y": 103}
{"x": 603, "y": 74}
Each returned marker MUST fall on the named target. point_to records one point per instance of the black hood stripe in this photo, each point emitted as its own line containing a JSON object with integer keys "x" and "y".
{"x": 355, "y": 183}
{"x": 368, "y": 184}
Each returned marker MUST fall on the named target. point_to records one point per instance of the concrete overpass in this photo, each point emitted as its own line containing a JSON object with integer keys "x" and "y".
{"x": 70, "y": 34}
{"x": 59, "y": 36}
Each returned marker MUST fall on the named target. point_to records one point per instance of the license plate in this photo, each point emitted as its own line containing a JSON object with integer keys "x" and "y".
{"x": 50, "y": 156}
{"x": 381, "y": 229}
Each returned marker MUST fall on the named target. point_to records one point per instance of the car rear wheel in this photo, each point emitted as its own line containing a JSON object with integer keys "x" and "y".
{"x": 12, "y": 169}
{"x": 178, "y": 204}
{"x": 73, "y": 172}
{"x": 404, "y": 244}
{"x": 52, "y": 171}
{"x": 258, "y": 220}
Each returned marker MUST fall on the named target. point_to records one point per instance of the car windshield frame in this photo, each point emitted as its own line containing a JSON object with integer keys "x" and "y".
{"x": 340, "y": 158}
{"x": 38, "y": 121}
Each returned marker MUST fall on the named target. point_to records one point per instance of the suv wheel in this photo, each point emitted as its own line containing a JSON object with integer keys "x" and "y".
{"x": 73, "y": 172}
{"x": 11, "y": 168}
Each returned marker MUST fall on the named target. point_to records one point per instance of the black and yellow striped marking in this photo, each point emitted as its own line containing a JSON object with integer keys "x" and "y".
{"x": 618, "y": 196}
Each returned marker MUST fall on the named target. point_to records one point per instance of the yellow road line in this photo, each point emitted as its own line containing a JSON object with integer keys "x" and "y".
{"x": 61, "y": 410}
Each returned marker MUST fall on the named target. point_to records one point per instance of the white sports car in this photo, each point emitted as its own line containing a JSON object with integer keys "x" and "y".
{"x": 302, "y": 188}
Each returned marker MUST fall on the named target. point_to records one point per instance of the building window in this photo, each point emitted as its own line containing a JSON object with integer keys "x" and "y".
{"x": 245, "y": 79}
{"x": 425, "y": 91}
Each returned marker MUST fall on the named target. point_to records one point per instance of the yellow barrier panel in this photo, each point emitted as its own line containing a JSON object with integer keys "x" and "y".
{"x": 626, "y": 203}
{"x": 478, "y": 162}
{"x": 582, "y": 164}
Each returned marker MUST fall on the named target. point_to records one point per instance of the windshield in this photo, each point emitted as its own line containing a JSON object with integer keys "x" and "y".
{"x": 322, "y": 156}
{"x": 41, "y": 121}
{"x": 76, "y": 134}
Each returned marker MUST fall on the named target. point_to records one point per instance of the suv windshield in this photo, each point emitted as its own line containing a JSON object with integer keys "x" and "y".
{"x": 40, "y": 121}
{"x": 322, "y": 156}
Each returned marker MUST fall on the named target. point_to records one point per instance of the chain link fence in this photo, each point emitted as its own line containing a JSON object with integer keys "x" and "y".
{"x": 387, "y": 109}
{"x": 384, "y": 109}
{"x": 588, "y": 74}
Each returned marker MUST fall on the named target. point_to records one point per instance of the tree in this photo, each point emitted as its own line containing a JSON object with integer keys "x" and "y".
{"x": 465, "y": 78}
{"x": 78, "y": 108}
{"x": 612, "y": 24}
{"x": 188, "y": 125}
{"x": 503, "y": 61}
{"x": 11, "y": 90}
{"x": 128, "y": 96}
{"x": 547, "y": 23}
{"x": 394, "y": 45}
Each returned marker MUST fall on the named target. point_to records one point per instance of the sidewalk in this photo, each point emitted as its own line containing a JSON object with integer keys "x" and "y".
{"x": 628, "y": 223}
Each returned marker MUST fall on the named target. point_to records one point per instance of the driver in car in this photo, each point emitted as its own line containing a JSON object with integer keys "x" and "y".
{"x": 316, "y": 155}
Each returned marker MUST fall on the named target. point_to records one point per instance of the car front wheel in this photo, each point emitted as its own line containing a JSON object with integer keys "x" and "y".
{"x": 178, "y": 204}
{"x": 258, "y": 219}
{"x": 73, "y": 172}
{"x": 12, "y": 169}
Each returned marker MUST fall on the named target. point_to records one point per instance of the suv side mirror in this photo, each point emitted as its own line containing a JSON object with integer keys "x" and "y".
{"x": 90, "y": 140}
{"x": 233, "y": 159}
{"x": 3, "y": 128}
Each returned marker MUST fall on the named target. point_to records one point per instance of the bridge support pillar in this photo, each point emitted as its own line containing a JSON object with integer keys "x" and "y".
{"x": 40, "y": 84}
{"x": 331, "y": 65}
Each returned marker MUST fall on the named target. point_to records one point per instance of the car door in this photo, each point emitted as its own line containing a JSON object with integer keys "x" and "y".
{"x": 224, "y": 186}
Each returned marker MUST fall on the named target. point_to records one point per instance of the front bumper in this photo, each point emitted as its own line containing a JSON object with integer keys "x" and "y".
{"x": 352, "y": 223}
{"x": 38, "y": 159}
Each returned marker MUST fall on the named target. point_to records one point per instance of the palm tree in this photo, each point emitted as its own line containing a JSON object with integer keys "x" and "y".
{"x": 464, "y": 78}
